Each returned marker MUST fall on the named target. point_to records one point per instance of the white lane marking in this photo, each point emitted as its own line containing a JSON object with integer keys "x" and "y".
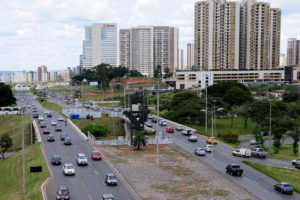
{"x": 96, "y": 172}
{"x": 90, "y": 196}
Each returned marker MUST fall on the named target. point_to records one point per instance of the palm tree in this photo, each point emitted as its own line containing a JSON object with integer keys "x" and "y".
{"x": 140, "y": 139}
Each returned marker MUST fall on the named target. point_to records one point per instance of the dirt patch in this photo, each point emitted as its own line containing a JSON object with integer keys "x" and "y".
{"x": 178, "y": 175}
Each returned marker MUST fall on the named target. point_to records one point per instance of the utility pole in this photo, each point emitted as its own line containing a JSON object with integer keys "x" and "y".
{"x": 157, "y": 128}
{"x": 206, "y": 107}
{"x": 30, "y": 120}
{"x": 212, "y": 152}
{"x": 23, "y": 156}
{"x": 270, "y": 126}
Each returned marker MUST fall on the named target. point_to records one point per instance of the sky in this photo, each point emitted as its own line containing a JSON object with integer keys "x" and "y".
{"x": 50, "y": 32}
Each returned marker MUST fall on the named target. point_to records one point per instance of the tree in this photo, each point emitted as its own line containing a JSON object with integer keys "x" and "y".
{"x": 7, "y": 98}
{"x": 183, "y": 96}
{"x": 167, "y": 73}
{"x": 232, "y": 115}
{"x": 235, "y": 96}
{"x": 97, "y": 130}
{"x": 232, "y": 137}
{"x": 244, "y": 113}
{"x": 140, "y": 139}
{"x": 157, "y": 73}
{"x": 220, "y": 89}
{"x": 290, "y": 97}
{"x": 5, "y": 144}
{"x": 134, "y": 73}
{"x": 295, "y": 135}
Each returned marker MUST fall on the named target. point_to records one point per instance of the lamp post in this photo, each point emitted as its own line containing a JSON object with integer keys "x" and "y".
{"x": 270, "y": 128}
{"x": 157, "y": 128}
{"x": 23, "y": 155}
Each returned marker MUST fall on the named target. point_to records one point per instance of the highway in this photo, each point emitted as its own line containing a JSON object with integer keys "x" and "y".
{"x": 89, "y": 181}
{"x": 253, "y": 180}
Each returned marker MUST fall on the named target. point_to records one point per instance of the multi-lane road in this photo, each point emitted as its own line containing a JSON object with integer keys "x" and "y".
{"x": 89, "y": 181}
{"x": 254, "y": 181}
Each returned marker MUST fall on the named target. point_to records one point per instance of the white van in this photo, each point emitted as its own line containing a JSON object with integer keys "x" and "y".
{"x": 246, "y": 153}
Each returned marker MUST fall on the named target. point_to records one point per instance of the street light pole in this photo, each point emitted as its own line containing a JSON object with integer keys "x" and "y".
{"x": 212, "y": 152}
{"x": 157, "y": 128}
{"x": 206, "y": 108}
{"x": 270, "y": 126}
{"x": 23, "y": 156}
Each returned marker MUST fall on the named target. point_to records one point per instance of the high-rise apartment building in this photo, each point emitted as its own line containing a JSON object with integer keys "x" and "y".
{"x": 100, "y": 45}
{"x": 42, "y": 74}
{"x": 293, "y": 52}
{"x": 144, "y": 47}
{"x": 236, "y": 35}
{"x": 180, "y": 59}
{"x": 190, "y": 55}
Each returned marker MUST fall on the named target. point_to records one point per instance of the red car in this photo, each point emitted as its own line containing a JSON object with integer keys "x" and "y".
{"x": 96, "y": 155}
{"x": 34, "y": 110}
{"x": 46, "y": 131}
{"x": 170, "y": 130}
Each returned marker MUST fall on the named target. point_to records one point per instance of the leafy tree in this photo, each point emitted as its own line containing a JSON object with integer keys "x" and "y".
{"x": 232, "y": 115}
{"x": 290, "y": 97}
{"x": 235, "y": 96}
{"x": 134, "y": 73}
{"x": 140, "y": 139}
{"x": 167, "y": 73}
{"x": 183, "y": 96}
{"x": 7, "y": 98}
{"x": 295, "y": 135}
{"x": 5, "y": 144}
{"x": 97, "y": 130}
{"x": 231, "y": 136}
{"x": 157, "y": 73}
{"x": 244, "y": 113}
{"x": 220, "y": 89}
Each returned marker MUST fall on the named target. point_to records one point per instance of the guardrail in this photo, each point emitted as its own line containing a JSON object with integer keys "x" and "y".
{"x": 36, "y": 131}
{"x": 76, "y": 129}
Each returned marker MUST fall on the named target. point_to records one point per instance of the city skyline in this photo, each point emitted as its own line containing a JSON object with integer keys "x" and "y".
{"x": 50, "y": 33}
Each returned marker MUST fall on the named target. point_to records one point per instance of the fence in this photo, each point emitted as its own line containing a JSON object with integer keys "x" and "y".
{"x": 82, "y": 113}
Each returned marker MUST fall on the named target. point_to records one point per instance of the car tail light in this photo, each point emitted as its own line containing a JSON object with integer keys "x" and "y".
{"x": 284, "y": 188}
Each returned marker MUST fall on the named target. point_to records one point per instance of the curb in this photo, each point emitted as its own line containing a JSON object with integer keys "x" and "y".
{"x": 44, "y": 185}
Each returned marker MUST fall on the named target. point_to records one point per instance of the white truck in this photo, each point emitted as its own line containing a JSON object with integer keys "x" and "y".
{"x": 259, "y": 152}
{"x": 245, "y": 153}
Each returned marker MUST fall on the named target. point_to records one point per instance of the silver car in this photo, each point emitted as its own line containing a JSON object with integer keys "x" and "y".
{"x": 193, "y": 138}
{"x": 179, "y": 128}
{"x": 81, "y": 159}
{"x": 200, "y": 151}
{"x": 111, "y": 179}
{"x": 68, "y": 169}
{"x": 208, "y": 148}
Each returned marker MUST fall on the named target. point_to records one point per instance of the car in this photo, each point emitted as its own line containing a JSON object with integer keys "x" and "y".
{"x": 150, "y": 117}
{"x": 58, "y": 128}
{"x": 253, "y": 142}
{"x": 67, "y": 141}
{"x": 154, "y": 120}
{"x": 234, "y": 169}
{"x": 49, "y": 115}
{"x": 294, "y": 161}
{"x": 211, "y": 140}
{"x": 46, "y": 131}
{"x": 162, "y": 123}
{"x": 284, "y": 187}
{"x": 81, "y": 159}
{"x": 264, "y": 133}
{"x": 41, "y": 118}
{"x": 51, "y": 138}
{"x": 35, "y": 115}
{"x": 170, "y": 130}
{"x": 68, "y": 169}
{"x": 149, "y": 124}
{"x": 46, "y": 112}
{"x": 186, "y": 132}
{"x": 35, "y": 110}
{"x": 63, "y": 135}
{"x": 259, "y": 152}
{"x": 208, "y": 148}
{"x": 111, "y": 179}
{"x": 43, "y": 125}
{"x": 61, "y": 119}
{"x": 193, "y": 138}
{"x": 200, "y": 151}
{"x": 53, "y": 122}
{"x": 179, "y": 128}
{"x": 245, "y": 153}
{"x": 63, "y": 192}
{"x": 108, "y": 197}
{"x": 56, "y": 160}
{"x": 96, "y": 155}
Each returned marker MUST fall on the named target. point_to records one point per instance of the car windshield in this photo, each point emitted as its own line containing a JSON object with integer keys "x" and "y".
{"x": 111, "y": 177}
{"x": 286, "y": 185}
{"x": 97, "y": 153}
{"x": 68, "y": 167}
{"x": 63, "y": 191}
{"x": 235, "y": 166}
{"x": 56, "y": 157}
{"x": 82, "y": 157}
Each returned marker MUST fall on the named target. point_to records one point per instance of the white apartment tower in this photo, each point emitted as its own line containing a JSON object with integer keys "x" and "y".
{"x": 293, "y": 52}
{"x": 124, "y": 44}
{"x": 190, "y": 55}
{"x": 236, "y": 36}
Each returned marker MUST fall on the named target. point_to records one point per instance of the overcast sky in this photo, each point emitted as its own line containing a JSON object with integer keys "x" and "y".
{"x": 50, "y": 32}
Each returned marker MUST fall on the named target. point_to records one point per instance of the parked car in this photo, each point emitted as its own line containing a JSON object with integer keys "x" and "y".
{"x": 111, "y": 179}
{"x": 234, "y": 169}
{"x": 193, "y": 138}
{"x": 246, "y": 153}
{"x": 43, "y": 125}
{"x": 108, "y": 197}
{"x": 67, "y": 141}
{"x": 284, "y": 187}
{"x": 150, "y": 116}
{"x": 35, "y": 115}
{"x": 58, "y": 128}
{"x": 63, "y": 192}
{"x": 253, "y": 142}
{"x": 68, "y": 169}
{"x": 294, "y": 161}
{"x": 61, "y": 118}
{"x": 81, "y": 159}
{"x": 53, "y": 122}
{"x": 170, "y": 130}
{"x": 63, "y": 135}
{"x": 149, "y": 124}
{"x": 179, "y": 128}
{"x": 51, "y": 138}
{"x": 208, "y": 148}
{"x": 297, "y": 164}
{"x": 211, "y": 140}
{"x": 162, "y": 123}
{"x": 200, "y": 151}
{"x": 46, "y": 131}
{"x": 56, "y": 160}
{"x": 41, "y": 118}
{"x": 259, "y": 152}
{"x": 96, "y": 155}
{"x": 186, "y": 132}
{"x": 154, "y": 120}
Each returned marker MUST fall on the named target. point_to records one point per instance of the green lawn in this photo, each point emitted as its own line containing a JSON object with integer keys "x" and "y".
{"x": 280, "y": 174}
{"x": 61, "y": 90}
{"x": 12, "y": 124}
{"x": 11, "y": 185}
{"x": 51, "y": 106}
{"x": 286, "y": 153}
{"x": 114, "y": 125}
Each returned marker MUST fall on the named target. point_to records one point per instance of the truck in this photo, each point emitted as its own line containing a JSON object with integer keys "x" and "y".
{"x": 245, "y": 153}
{"x": 234, "y": 169}
{"x": 259, "y": 152}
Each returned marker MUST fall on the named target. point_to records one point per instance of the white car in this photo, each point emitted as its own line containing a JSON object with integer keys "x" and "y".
{"x": 294, "y": 161}
{"x": 200, "y": 151}
{"x": 193, "y": 138}
{"x": 179, "y": 128}
{"x": 246, "y": 153}
{"x": 68, "y": 169}
{"x": 163, "y": 123}
{"x": 41, "y": 118}
{"x": 150, "y": 116}
{"x": 253, "y": 142}
{"x": 53, "y": 122}
{"x": 61, "y": 118}
{"x": 81, "y": 159}
{"x": 46, "y": 112}
{"x": 208, "y": 148}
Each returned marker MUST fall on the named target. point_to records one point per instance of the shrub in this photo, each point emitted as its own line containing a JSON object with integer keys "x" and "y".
{"x": 97, "y": 130}
{"x": 232, "y": 137}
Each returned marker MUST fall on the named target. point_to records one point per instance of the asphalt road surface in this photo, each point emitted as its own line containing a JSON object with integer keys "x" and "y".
{"x": 89, "y": 181}
{"x": 253, "y": 180}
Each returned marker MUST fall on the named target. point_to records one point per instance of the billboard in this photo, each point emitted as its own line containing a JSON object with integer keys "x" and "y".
{"x": 93, "y": 83}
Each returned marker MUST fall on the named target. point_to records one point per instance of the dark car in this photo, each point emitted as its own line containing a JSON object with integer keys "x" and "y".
{"x": 67, "y": 141}
{"x": 49, "y": 115}
{"x": 284, "y": 188}
{"x": 35, "y": 115}
{"x": 43, "y": 125}
{"x": 51, "y": 138}
{"x": 264, "y": 133}
{"x": 63, "y": 136}
{"x": 58, "y": 128}
{"x": 56, "y": 160}
{"x": 154, "y": 120}
{"x": 63, "y": 192}
{"x": 234, "y": 169}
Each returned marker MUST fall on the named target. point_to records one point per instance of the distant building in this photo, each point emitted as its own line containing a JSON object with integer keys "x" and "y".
{"x": 124, "y": 47}
{"x": 293, "y": 52}
{"x": 180, "y": 59}
{"x": 42, "y": 74}
{"x": 190, "y": 56}
{"x": 65, "y": 74}
{"x": 282, "y": 60}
